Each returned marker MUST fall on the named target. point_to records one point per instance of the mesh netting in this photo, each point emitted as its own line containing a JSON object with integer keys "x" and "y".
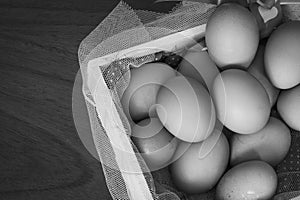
{"x": 104, "y": 81}
{"x": 288, "y": 171}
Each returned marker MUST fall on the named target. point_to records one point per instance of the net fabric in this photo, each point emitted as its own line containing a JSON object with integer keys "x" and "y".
{"x": 124, "y": 28}
{"x": 115, "y": 33}
{"x": 189, "y": 15}
{"x": 288, "y": 171}
{"x": 111, "y": 173}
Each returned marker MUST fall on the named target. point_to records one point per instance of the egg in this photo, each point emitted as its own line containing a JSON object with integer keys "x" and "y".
{"x": 242, "y": 103}
{"x": 282, "y": 55}
{"x": 271, "y": 144}
{"x": 197, "y": 64}
{"x": 140, "y": 95}
{"x": 186, "y": 109}
{"x": 257, "y": 69}
{"x": 251, "y": 180}
{"x": 206, "y": 145}
{"x": 156, "y": 145}
{"x": 192, "y": 174}
{"x": 232, "y": 36}
{"x": 288, "y": 106}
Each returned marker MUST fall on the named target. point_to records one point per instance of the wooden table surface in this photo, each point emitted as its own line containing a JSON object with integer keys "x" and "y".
{"x": 41, "y": 155}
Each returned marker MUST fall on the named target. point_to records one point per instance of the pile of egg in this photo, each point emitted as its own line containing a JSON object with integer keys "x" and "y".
{"x": 209, "y": 120}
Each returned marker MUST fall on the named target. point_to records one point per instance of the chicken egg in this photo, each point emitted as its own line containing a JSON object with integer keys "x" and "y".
{"x": 186, "y": 109}
{"x": 282, "y": 55}
{"x": 156, "y": 145}
{"x": 288, "y": 106}
{"x": 232, "y": 36}
{"x": 251, "y": 180}
{"x": 197, "y": 64}
{"x": 140, "y": 95}
{"x": 193, "y": 174}
{"x": 242, "y": 103}
{"x": 271, "y": 144}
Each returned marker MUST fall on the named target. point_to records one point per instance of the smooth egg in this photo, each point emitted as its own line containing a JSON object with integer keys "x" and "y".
{"x": 242, "y": 103}
{"x": 251, "y": 180}
{"x": 232, "y": 36}
{"x": 186, "y": 109}
{"x": 193, "y": 173}
{"x": 197, "y": 64}
{"x": 156, "y": 145}
{"x": 271, "y": 144}
{"x": 288, "y": 106}
{"x": 140, "y": 95}
{"x": 282, "y": 55}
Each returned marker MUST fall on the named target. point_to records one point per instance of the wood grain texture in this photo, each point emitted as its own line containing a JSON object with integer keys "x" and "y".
{"x": 41, "y": 155}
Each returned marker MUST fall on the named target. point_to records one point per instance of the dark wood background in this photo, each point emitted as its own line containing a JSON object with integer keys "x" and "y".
{"x": 41, "y": 155}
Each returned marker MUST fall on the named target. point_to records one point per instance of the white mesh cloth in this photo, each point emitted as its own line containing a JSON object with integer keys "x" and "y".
{"x": 132, "y": 37}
